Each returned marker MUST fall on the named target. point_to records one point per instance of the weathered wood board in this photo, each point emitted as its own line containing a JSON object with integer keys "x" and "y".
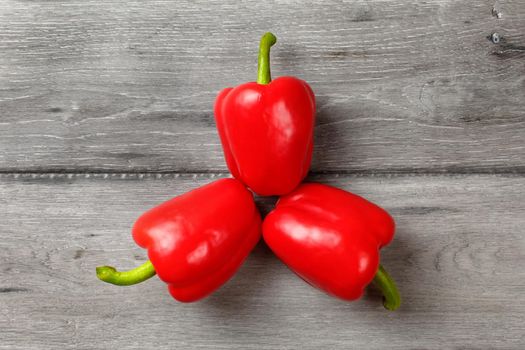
{"x": 106, "y": 110}
{"x": 123, "y": 86}
{"x": 457, "y": 258}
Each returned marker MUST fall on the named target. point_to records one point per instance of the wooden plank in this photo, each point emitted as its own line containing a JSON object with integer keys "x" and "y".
{"x": 456, "y": 257}
{"x": 402, "y": 86}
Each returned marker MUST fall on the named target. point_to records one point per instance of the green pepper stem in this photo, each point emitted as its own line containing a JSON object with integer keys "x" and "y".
{"x": 263, "y": 66}
{"x": 391, "y": 297}
{"x": 126, "y": 278}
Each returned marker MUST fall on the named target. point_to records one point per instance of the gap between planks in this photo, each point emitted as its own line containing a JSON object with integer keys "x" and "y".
{"x": 105, "y": 173}
{"x": 218, "y": 175}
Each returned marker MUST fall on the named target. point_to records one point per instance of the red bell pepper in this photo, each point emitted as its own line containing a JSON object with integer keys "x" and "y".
{"x": 195, "y": 241}
{"x": 331, "y": 238}
{"x": 266, "y": 128}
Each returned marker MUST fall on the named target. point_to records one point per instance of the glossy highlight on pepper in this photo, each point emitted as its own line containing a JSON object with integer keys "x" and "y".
{"x": 331, "y": 239}
{"x": 196, "y": 241}
{"x": 266, "y": 128}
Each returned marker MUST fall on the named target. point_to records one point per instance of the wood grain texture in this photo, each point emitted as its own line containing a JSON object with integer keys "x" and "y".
{"x": 456, "y": 257}
{"x": 402, "y": 86}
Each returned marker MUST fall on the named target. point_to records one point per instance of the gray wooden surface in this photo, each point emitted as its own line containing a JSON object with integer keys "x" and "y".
{"x": 401, "y": 85}
{"x": 456, "y": 258}
{"x": 106, "y": 110}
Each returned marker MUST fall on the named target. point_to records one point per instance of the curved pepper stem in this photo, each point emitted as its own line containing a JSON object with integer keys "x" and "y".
{"x": 263, "y": 66}
{"x": 126, "y": 278}
{"x": 391, "y": 297}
